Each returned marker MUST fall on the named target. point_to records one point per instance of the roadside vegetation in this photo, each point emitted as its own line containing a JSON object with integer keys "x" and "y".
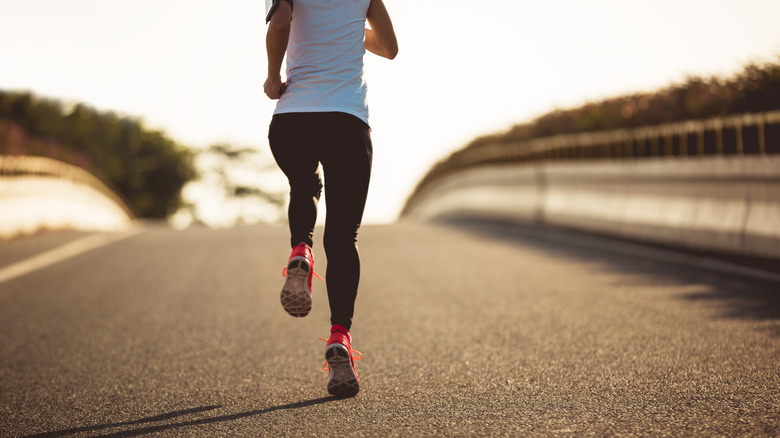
{"x": 144, "y": 167}
{"x": 755, "y": 89}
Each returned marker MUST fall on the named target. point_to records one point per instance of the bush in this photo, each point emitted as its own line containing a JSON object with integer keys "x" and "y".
{"x": 145, "y": 167}
{"x": 755, "y": 89}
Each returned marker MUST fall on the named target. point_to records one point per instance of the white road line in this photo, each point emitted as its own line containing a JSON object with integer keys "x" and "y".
{"x": 61, "y": 253}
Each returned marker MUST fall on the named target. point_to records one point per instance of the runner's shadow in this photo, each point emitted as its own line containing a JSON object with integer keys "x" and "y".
{"x": 178, "y": 425}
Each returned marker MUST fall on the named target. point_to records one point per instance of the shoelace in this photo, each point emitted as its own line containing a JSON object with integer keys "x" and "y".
{"x": 356, "y": 355}
{"x": 284, "y": 274}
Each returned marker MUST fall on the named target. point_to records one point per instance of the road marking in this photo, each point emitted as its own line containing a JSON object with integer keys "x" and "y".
{"x": 64, "y": 252}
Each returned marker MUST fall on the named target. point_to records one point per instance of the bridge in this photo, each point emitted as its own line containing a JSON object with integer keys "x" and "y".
{"x": 708, "y": 184}
{"x": 41, "y": 193}
{"x": 484, "y": 311}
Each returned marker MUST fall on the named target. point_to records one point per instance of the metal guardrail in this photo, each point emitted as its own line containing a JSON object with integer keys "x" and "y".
{"x": 740, "y": 134}
{"x": 14, "y": 166}
{"x": 688, "y": 138}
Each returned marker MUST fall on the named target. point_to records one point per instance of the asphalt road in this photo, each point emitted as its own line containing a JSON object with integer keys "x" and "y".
{"x": 467, "y": 330}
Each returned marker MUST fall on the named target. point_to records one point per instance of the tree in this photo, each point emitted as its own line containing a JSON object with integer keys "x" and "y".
{"x": 236, "y": 185}
{"x": 145, "y": 167}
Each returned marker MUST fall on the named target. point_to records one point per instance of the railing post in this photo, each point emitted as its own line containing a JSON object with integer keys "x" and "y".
{"x": 700, "y": 140}
{"x": 654, "y": 144}
{"x": 738, "y": 131}
{"x": 628, "y": 146}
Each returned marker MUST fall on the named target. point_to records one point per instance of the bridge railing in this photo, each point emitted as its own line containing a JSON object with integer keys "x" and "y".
{"x": 742, "y": 134}
{"x": 712, "y": 184}
{"x": 720, "y": 135}
{"x": 30, "y": 166}
{"x": 40, "y": 193}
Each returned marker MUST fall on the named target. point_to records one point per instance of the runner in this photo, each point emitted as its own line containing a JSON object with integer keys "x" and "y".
{"x": 322, "y": 117}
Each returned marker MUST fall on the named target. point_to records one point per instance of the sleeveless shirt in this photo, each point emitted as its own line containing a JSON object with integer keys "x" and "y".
{"x": 325, "y": 58}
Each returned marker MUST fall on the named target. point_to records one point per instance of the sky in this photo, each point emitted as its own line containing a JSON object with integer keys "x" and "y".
{"x": 195, "y": 68}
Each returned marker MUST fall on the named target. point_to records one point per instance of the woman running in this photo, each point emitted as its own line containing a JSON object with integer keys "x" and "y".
{"x": 322, "y": 118}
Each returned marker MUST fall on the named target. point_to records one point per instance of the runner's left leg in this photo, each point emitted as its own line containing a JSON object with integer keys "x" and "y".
{"x": 294, "y": 148}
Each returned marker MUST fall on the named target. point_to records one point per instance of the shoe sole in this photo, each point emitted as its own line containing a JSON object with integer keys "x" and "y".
{"x": 296, "y": 295}
{"x": 342, "y": 380}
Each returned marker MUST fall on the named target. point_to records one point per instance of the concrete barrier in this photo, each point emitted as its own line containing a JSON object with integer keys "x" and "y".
{"x": 722, "y": 203}
{"x": 498, "y": 191}
{"x": 40, "y": 193}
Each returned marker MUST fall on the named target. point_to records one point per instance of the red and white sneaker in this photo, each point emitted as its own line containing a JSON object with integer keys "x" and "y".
{"x": 296, "y": 292}
{"x": 343, "y": 380}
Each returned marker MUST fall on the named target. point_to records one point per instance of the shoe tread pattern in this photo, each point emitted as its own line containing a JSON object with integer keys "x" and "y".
{"x": 296, "y": 296}
{"x": 342, "y": 380}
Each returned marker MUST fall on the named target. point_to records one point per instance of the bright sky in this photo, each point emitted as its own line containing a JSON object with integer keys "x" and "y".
{"x": 195, "y": 68}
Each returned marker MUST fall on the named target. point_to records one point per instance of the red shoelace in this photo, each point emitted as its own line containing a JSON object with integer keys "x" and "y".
{"x": 356, "y": 355}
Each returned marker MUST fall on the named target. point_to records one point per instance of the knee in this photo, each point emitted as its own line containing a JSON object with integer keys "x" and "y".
{"x": 339, "y": 239}
{"x": 306, "y": 186}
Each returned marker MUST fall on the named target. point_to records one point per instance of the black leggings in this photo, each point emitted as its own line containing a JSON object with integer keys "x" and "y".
{"x": 342, "y": 143}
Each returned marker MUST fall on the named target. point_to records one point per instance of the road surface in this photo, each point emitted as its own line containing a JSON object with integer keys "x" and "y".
{"x": 468, "y": 329}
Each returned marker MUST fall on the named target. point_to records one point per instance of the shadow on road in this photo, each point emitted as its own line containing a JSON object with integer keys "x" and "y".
{"x": 735, "y": 295}
{"x": 178, "y": 425}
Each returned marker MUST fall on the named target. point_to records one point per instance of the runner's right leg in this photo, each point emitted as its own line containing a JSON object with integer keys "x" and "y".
{"x": 346, "y": 162}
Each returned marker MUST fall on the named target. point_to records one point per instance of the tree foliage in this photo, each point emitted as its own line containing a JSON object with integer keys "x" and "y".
{"x": 145, "y": 167}
{"x": 755, "y": 89}
{"x": 240, "y": 181}
{"x": 229, "y": 162}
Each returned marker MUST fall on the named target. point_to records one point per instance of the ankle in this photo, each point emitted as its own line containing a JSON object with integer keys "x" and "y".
{"x": 341, "y": 329}
{"x": 302, "y": 250}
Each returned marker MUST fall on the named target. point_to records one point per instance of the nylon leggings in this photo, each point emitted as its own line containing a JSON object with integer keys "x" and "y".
{"x": 342, "y": 143}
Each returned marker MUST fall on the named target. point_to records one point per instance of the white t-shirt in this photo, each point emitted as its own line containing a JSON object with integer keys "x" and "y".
{"x": 325, "y": 58}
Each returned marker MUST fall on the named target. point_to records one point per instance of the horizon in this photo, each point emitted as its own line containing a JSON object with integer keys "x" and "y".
{"x": 176, "y": 66}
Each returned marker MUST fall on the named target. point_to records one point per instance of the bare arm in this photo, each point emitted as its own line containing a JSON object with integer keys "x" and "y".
{"x": 380, "y": 38}
{"x": 276, "y": 45}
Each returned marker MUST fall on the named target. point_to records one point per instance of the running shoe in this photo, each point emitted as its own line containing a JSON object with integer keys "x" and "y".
{"x": 296, "y": 292}
{"x": 343, "y": 380}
